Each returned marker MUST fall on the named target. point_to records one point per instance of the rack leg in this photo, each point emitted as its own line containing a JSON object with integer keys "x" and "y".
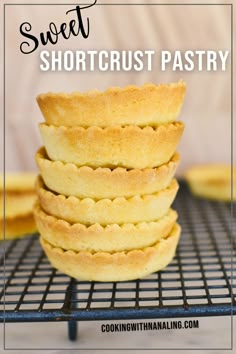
{"x": 73, "y": 325}
{"x": 72, "y": 330}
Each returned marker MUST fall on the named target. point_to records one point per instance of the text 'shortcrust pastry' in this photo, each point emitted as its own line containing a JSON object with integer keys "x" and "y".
{"x": 128, "y": 146}
{"x": 212, "y": 181}
{"x": 99, "y": 183}
{"x": 118, "y": 266}
{"x": 106, "y": 211}
{"x": 97, "y": 238}
{"x": 146, "y": 105}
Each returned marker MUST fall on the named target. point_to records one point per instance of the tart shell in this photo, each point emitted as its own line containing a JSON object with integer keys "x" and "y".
{"x": 17, "y": 226}
{"x": 106, "y": 211}
{"x": 146, "y": 105}
{"x": 97, "y": 238}
{"x": 17, "y": 203}
{"x": 16, "y": 209}
{"x": 99, "y": 183}
{"x": 212, "y": 181}
{"x": 118, "y": 266}
{"x": 112, "y": 146}
{"x": 18, "y": 182}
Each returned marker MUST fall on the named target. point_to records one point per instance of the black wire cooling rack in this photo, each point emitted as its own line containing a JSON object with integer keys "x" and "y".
{"x": 198, "y": 282}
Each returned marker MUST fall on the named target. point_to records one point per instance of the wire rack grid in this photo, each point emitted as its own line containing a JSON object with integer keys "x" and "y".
{"x": 198, "y": 282}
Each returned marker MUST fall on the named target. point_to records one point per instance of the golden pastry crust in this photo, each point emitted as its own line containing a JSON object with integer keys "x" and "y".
{"x": 106, "y": 211}
{"x": 212, "y": 181}
{"x": 99, "y": 183}
{"x": 18, "y": 182}
{"x": 146, "y": 105}
{"x": 98, "y": 238}
{"x": 17, "y": 203}
{"x": 18, "y": 226}
{"x": 118, "y": 266}
{"x": 129, "y": 146}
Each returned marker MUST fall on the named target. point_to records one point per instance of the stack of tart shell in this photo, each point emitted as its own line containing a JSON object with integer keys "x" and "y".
{"x": 106, "y": 182}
